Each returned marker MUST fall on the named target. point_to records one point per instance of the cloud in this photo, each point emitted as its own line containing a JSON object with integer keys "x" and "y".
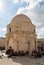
{"x": 42, "y": 29}
{"x": 32, "y": 4}
{"x": 2, "y": 6}
{"x": 35, "y": 12}
{"x": 15, "y": 1}
{"x": 41, "y": 33}
{"x": 2, "y": 31}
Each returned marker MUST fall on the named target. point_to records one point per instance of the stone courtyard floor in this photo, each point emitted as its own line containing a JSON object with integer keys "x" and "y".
{"x": 21, "y": 61}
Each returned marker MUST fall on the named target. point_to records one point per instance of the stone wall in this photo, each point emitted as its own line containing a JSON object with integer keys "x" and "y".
{"x": 2, "y": 42}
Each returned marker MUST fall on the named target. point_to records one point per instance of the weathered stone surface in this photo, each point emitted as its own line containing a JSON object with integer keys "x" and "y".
{"x": 2, "y": 42}
{"x": 21, "y": 34}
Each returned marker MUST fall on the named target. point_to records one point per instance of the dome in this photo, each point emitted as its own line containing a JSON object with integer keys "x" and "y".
{"x": 21, "y": 22}
{"x": 21, "y": 18}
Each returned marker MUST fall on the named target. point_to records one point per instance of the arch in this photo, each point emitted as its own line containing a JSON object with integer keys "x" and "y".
{"x": 24, "y": 35}
{"x": 13, "y": 44}
{"x": 24, "y": 45}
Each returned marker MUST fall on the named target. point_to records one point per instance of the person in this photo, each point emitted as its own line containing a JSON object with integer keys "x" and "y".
{"x": 10, "y": 52}
{"x": 0, "y": 54}
{"x": 39, "y": 52}
{"x": 34, "y": 53}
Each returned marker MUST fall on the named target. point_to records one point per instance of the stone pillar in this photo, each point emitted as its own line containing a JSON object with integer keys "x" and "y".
{"x": 29, "y": 47}
{"x": 32, "y": 46}
{"x": 35, "y": 43}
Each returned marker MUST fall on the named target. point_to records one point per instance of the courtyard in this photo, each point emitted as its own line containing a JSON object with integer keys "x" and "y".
{"x": 21, "y": 61}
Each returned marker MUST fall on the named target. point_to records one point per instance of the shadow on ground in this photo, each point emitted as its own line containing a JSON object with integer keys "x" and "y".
{"x": 28, "y": 61}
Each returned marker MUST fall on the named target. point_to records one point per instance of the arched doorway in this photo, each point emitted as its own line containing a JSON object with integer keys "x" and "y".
{"x": 13, "y": 44}
{"x": 23, "y": 43}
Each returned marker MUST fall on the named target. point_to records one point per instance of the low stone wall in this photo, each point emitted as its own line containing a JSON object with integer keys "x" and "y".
{"x": 2, "y": 42}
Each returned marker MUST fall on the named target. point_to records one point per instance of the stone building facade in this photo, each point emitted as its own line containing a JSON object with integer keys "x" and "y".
{"x": 2, "y": 42}
{"x": 21, "y": 35}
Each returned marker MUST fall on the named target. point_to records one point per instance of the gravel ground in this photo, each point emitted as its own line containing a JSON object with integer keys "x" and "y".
{"x": 21, "y": 61}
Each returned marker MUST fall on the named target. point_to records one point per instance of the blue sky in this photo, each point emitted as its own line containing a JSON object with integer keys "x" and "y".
{"x": 34, "y": 9}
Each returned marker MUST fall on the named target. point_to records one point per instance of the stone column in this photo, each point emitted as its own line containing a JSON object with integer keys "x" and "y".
{"x": 35, "y": 43}
{"x": 32, "y": 46}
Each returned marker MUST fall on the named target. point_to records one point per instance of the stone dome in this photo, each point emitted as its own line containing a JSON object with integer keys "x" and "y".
{"x": 21, "y": 22}
{"x": 21, "y": 18}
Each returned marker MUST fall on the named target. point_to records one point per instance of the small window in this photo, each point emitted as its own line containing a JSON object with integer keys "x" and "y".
{"x": 10, "y": 29}
{"x": 34, "y": 30}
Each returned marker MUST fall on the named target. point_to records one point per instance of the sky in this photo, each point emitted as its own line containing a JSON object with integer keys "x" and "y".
{"x": 34, "y": 9}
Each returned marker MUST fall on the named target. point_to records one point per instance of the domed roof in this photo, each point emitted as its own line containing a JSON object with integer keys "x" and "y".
{"x": 21, "y": 18}
{"x": 21, "y": 22}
